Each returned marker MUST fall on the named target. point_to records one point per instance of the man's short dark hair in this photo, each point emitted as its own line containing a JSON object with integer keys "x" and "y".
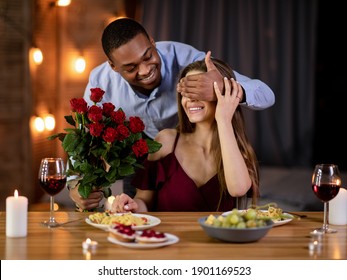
{"x": 120, "y": 32}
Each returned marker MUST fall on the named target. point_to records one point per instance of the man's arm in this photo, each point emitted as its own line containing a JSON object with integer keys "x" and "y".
{"x": 256, "y": 94}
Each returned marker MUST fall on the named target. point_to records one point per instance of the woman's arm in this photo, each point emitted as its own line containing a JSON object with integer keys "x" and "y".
{"x": 236, "y": 173}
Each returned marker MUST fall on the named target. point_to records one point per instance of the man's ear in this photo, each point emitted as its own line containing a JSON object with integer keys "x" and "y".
{"x": 112, "y": 65}
{"x": 152, "y": 41}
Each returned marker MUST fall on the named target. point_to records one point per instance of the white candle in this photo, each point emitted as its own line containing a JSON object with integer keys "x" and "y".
{"x": 16, "y": 215}
{"x": 108, "y": 203}
{"x": 338, "y": 208}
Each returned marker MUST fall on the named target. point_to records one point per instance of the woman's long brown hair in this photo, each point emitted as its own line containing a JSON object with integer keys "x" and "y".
{"x": 247, "y": 151}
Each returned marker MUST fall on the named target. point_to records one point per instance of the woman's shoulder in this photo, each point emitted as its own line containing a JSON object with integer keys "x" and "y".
{"x": 166, "y": 138}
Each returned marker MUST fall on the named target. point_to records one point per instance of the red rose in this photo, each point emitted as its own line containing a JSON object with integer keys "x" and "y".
{"x": 107, "y": 109}
{"x": 79, "y": 105}
{"x": 123, "y": 132}
{"x": 95, "y": 113}
{"x": 110, "y": 135}
{"x": 95, "y": 129}
{"x": 140, "y": 148}
{"x": 118, "y": 116}
{"x": 136, "y": 124}
{"x": 96, "y": 94}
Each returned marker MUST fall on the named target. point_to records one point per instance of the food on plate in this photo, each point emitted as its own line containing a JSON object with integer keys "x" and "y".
{"x": 127, "y": 219}
{"x": 122, "y": 233}
{"x": 151, "y": 236}
{"x": 274, "y": 213}
{"x": 237, "y": 219}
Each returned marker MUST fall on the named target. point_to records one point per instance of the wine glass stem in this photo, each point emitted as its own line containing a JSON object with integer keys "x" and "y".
{"x": 51, "y": 207}
{"x": 325, "y": 218}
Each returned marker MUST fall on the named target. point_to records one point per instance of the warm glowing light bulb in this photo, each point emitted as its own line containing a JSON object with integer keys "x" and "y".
{"x": 80, "y": 64}
{"x": 49, "y": 122}
{"x": 39, "y": 124}
{"x": 63, "y": 3}
{"x": 37, "y": 55}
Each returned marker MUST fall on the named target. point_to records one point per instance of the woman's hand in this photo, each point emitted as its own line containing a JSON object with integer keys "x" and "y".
{"x": 227, "y": 103}
{"x": 89, "y": 203}
{"x": 123, "y": 203}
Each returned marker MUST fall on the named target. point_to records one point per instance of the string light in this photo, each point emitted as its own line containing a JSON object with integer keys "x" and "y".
{"x": 49, "y": 122}
{"x": 63, "y": 3}
{"x": 80, "y": 64}
{"x": 60, "y": 3}
{"x": 37, "y": 55}
{"x": 46, "y": 122}
{"x": 39, "y": 124}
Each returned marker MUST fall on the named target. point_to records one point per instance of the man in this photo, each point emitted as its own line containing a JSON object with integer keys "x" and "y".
{"x": 140, "y": 77}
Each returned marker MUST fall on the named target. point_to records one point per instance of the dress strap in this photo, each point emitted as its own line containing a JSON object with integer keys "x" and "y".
{"x": 176, "y": 140}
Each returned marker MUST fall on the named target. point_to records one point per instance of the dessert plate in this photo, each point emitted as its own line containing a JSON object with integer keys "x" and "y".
{"x": 276, "y": 222}
{"x": 171, "y": 239}
{"x": 152, "y": 221}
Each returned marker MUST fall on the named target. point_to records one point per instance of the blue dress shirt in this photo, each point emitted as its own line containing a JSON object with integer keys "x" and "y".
{"x": 159, "y": 109}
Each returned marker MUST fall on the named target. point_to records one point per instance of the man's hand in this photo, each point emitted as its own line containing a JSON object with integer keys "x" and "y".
{"x": 89, "y": 203}
{"x": 200, "y": 86}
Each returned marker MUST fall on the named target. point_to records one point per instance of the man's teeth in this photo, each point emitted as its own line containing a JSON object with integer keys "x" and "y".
{"x": 149, "y": 77}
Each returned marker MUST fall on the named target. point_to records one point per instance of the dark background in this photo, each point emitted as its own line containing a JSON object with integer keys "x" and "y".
{"x": 331, "y": 76}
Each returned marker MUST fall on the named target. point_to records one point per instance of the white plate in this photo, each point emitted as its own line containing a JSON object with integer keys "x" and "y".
{"x": 152, "y": 221}
{"x": 172, "y": 239}
{"x": 276, "y": 223}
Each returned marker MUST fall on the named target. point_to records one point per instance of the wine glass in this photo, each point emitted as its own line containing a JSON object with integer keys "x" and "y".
{"x": 52, "y": 179}
{"x": 326, "y": 183}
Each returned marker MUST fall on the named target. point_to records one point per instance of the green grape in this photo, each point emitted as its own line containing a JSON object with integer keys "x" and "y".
{"x": 217, "y": 223}
{"x": 251, "y": 214}
{"x": 233, "y": 219}
{"x": 241, "y": 225}
{"x": 251, "y": 223}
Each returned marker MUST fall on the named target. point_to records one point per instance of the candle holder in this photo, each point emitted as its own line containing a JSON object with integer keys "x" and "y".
{"x": 89, "y": 244}
{"x": 315, "y": 244}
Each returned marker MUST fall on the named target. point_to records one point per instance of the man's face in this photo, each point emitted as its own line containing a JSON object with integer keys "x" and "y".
{"x": 138, "y": 62}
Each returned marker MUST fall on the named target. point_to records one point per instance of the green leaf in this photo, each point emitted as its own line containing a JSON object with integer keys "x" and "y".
{"x": 126, "y": 170}
{"x": 88, "y": 179}
{"x": 131, "y": 159}
{"x": 84, "y": 191}
{"x": 70, "y": 142}
{"x": 70, "y": 120}
{"x": 61, "y": 136}
{"x": 153, "y": 146}
{"x": 107, "y": 192}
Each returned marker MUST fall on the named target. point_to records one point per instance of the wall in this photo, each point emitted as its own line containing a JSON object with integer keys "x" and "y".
{"x": 15, "y": 100}
{"x": 27, "y": 90}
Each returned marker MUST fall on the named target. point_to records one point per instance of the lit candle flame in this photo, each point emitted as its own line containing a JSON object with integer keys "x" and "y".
{"x": 16, "y": 194}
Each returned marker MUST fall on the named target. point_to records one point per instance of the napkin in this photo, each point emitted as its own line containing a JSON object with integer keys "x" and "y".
{"x": 338, "y": 208}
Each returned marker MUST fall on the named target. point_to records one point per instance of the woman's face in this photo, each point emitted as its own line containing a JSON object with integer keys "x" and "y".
{"x": 138, "y": 62}
{"x": 197, "y": 110}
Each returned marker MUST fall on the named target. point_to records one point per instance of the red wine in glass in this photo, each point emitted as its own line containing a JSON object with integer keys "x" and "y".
{"x": 326, "y": 183}
{"x": 53, "y": 185}
{"x": 52, "y": 179}
{"x": 326, "y": 192}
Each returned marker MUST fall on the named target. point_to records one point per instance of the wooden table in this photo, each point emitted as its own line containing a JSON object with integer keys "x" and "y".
{"x": 285, "y": 242}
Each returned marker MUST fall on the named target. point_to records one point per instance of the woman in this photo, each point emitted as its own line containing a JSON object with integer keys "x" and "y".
{"x": 204, "y": 164}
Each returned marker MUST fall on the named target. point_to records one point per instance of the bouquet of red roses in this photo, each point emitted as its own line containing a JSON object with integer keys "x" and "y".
{"x": 103, "y": 146}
